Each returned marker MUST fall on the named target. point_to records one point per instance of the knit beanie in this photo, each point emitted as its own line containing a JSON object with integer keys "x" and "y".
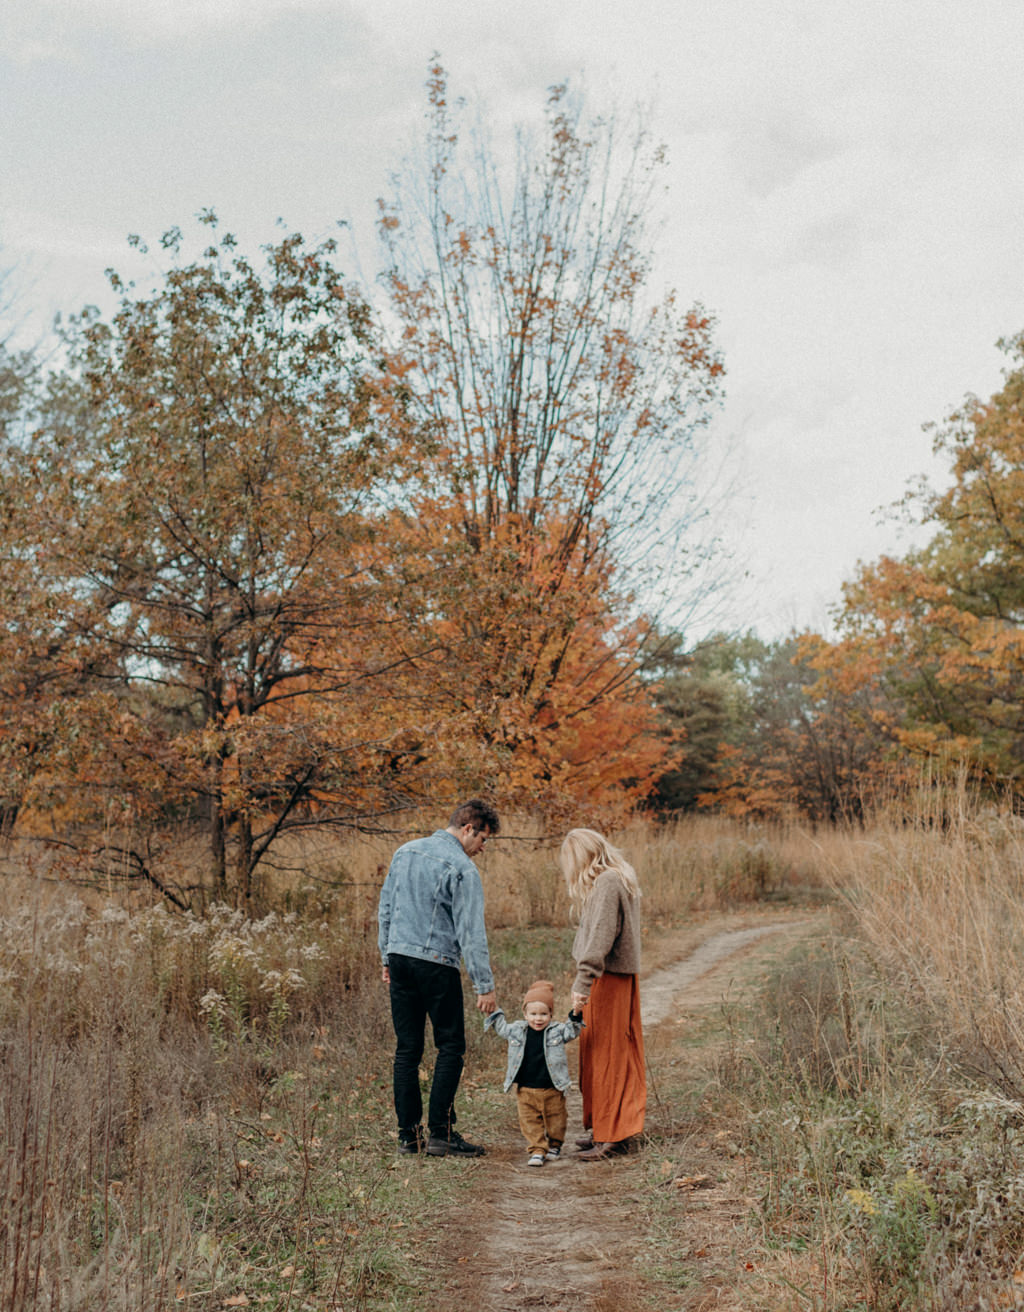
{"x": 541, "y": 990}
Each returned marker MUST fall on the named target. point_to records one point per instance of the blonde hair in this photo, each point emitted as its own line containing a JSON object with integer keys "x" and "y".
{"x": 586, "y": 854}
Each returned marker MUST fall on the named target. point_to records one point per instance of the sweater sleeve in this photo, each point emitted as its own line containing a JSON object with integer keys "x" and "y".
{"x": 600, "y": 926}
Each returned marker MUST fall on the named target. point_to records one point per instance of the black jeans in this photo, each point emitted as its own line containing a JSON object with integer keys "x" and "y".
{"x": 420, "y": 989}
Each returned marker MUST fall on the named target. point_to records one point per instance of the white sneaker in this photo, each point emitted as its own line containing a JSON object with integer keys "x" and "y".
{"x": 553, "y": 1154}
{"x": 536, "y": 1159}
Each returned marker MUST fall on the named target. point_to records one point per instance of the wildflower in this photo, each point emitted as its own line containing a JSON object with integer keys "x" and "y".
{"x": 212, "y": 1003}
{"x": 276, "y": 981}
{"x": 862, "y": 1201}
{"x": 911, "y": 1189}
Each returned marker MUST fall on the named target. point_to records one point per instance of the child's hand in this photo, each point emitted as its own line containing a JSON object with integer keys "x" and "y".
{"x": 579, "y": 1001}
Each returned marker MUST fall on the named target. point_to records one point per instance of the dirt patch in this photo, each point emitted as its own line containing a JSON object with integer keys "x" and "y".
{"x": 574, "y": 1236}
{"x": 695, "y": 980}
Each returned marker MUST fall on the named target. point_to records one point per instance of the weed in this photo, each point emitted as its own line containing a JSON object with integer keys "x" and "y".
{"x": 196, "y": 1110}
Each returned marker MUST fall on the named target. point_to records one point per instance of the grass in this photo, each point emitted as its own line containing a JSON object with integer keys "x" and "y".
{"x": 877, "y": 1085}
{"x": 196, "y": 1112}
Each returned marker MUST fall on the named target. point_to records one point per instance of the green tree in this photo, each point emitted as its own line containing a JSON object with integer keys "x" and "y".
{"x": 703, "y": 697}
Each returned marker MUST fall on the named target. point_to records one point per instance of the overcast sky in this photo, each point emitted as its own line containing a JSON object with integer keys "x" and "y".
{"x": 845, "y": 194}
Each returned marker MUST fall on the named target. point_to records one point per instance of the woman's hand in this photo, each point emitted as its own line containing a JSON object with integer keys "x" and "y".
{"x": 579, "y": 1001}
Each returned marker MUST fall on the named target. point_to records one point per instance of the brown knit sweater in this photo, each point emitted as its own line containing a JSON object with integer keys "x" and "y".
{"x": 608, "y": 937}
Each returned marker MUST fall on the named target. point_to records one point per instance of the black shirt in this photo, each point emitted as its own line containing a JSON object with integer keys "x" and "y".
{"x": 533, "y": 1070}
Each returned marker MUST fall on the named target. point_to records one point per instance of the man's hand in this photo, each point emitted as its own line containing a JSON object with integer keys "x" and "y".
{"x": 486, "y": 1002}
{"x": 385, "y": 974}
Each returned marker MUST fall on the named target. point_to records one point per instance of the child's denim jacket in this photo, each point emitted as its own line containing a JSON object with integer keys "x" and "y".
{"x": 556, "y": 1036}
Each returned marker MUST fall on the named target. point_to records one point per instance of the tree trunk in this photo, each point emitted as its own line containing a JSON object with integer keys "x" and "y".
{"x": 244, "y": 883}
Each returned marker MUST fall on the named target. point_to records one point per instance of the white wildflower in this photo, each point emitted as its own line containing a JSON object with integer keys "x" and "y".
{"x": 213, "y": 1003}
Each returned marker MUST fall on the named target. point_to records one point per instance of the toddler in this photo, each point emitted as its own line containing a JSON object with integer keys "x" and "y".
{"x": 538, "y": 1067}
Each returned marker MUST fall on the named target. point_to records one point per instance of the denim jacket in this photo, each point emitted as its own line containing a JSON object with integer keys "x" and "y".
{"x": 556, "y": 1036}
{"x": 432, "y": 907}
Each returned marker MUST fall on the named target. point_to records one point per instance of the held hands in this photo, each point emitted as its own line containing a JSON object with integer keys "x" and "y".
{"x": 579, "y": 1001}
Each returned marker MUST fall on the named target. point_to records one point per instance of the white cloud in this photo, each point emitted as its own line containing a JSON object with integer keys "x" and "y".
{"x": 156, "y": 18}
{"x": 845, "y": 189}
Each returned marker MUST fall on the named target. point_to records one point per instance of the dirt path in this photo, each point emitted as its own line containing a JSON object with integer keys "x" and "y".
{"x": 568, "y": 1237}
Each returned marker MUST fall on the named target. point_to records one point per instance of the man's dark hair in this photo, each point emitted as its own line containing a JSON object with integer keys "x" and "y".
{"x": 481, "y": 815}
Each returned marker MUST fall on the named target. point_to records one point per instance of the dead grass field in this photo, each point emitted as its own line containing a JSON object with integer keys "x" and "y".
{"x": 195, "y": 1111}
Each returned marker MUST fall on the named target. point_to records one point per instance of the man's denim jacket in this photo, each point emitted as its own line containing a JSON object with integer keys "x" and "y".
{"x": 556, "y": 1036}
{"x": 432, "y": 907}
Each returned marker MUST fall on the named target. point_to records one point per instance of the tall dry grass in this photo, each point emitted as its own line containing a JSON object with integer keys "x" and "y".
{"x": 879, "y": 1077}
{"x": 694, "y": 863}
{"x": 145, "y": 1058}
{"x": 699, "y": 863}
{"x": 195, "y": 1110}
{"x": 940, "y": 902}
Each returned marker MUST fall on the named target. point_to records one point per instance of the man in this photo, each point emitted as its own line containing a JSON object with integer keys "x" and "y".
{"x": 431, "y": 915}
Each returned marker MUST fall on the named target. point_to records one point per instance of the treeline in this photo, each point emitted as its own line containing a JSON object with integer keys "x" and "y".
{"x": 923, "y": 680}
{"x": 280, "y": 554}
{"x": 763, "y": 734}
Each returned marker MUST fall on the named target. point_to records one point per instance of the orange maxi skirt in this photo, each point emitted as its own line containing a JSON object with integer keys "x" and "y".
{"x": 612, "y": 1073}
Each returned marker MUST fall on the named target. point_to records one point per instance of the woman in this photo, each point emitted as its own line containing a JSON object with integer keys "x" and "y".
{"x": 605, "y": 895}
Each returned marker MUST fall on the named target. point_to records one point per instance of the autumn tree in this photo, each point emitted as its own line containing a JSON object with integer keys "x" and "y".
{"x": 42, "y": 651}
{"x": 761, "y": 732}
{"x": 26, "y": 635}
{"x": 567, "y": 411}
{"x": 813, "y": 748}
{"x": 200, "y": 491}
{"x": 942, "y": 629}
